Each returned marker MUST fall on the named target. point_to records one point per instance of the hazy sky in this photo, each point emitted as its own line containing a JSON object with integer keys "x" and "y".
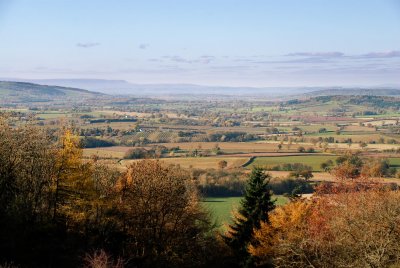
{"x": 211, "y": 42}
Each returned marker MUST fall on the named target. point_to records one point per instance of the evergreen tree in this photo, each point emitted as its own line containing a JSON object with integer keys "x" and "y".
{"x": 254, "y": 209}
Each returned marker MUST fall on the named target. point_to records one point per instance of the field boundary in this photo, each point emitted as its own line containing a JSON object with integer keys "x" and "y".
{"x": 248, "y": 162}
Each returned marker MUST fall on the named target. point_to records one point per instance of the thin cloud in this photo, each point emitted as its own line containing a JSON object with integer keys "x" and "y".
{"x": 297, "y": 60}
{"x": 333, "y": 54}
{"x": 388, "y": 54}
{"x": 180, "y": 59}
{"x": 87, "y": 45}
{"x": 154, "y": 60}
{"x": 144, "y": 46}
{"x": 205, "y": 59}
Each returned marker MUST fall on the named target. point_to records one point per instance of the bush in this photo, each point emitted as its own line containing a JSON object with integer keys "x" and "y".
{"x": 90, "y": 142}
{"x": 310, "y": 150}
{"x": 136, "y": 153}
{"x": 301, "y": 149}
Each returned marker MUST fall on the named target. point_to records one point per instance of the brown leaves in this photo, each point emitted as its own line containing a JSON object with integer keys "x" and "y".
{"x": 160, "y": 211}
{"x": 347, "y": 226}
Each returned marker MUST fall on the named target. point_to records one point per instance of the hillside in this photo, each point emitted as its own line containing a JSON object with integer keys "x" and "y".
{"x": 346, "y": 104}
{"x": 355, "y": 92}
{"x": 22, "y": 92}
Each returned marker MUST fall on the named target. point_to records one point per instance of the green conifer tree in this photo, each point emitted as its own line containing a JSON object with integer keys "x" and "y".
{"x": 255, "y": 206}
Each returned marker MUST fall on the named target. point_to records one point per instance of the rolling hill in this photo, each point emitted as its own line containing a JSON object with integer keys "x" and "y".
{"x": 355, "y": 92}
{"x": 23, "y": 92}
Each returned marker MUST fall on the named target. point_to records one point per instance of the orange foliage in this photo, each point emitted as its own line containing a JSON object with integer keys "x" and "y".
{"x": 287, "y": 228}
{"x": 348, "y": 224}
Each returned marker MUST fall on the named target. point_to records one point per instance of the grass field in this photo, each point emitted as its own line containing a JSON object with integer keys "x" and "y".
{"x": 314, "y": 161}
{"x": 53, "y": 115}
{"x": 222, "y": 207}
{"x": 316, "y": 127}
{"x": 394, "y": 162}
{"x": 234, "y": 147}
{"x": 200, "y": 162}
{"x": 107, "y": 152}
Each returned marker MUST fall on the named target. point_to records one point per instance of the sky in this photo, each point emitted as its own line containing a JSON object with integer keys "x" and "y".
{"x": 257, "y": 43}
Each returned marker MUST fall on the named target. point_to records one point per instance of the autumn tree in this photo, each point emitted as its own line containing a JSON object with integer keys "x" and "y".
{"x": 356, "y": 225}
{"x": 52, "y": 203}
{"x": 55, "y": 207}
{"x": 222, "y": 164}
{"x": 348, "y": 166}
{"x": 377, "y": 168}
{"x": 363, "y": 145}
{"x": 254, "y": 209}
{"x": 280, "y": 241}
{"x": 71, "y": 174}
{"x": 160, "y": 213}
{"x": 327, "y": 165}
{"x": 26, "y": 172}
{"x": 352, "y": 223}
{"x": 304, "y": 172}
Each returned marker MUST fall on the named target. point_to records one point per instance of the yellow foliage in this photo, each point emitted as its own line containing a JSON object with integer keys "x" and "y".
{"x": 70, "y": 154}
{"x": 73, "y": 178}
{"x": 286, "y": 229}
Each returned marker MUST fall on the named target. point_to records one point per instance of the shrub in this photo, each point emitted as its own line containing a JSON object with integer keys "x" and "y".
{"x": 90, "y": 142}
{"x": 136, "y": 153}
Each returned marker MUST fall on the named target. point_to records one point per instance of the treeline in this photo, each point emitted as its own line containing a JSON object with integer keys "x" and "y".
{"x": 59, "y": 211}
{"x": 155, "y": 151}
{"x": 376, "y": 101}
{"x": 232, "y": 137}
{"x": 352, "y": 165}
{"x": 111, "y": 120}
{"x": 221, "y": 183}
{"x": 90, "y": 142}
{"x": 379, "y": 102}
{"x": 139, "y": 136}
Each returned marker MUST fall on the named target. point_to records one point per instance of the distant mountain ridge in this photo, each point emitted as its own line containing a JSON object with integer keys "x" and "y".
{"x": 122, "y": 87}
{"x": 16, "y": 92}
{"x": 44, "y": 89}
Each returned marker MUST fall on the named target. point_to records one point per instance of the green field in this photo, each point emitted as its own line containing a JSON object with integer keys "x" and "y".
{"x": 199, "y": 162}
{"x": 314, "y": 161}
{"x": 222, "y": 207}
{"x": 394, "y": 162}
{"x": 53, "y": 115}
